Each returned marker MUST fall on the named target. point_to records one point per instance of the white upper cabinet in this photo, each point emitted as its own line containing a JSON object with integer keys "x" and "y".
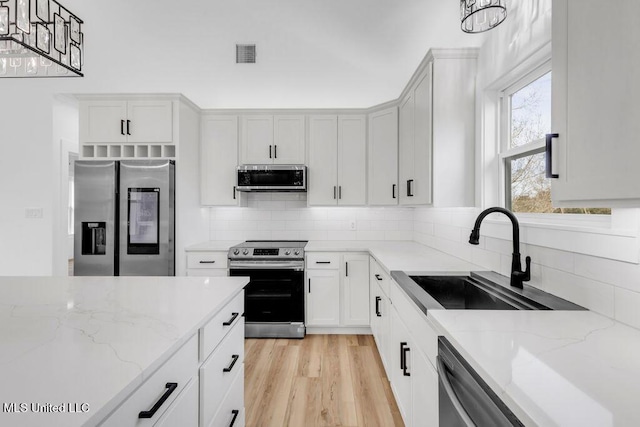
{"x": 120, "y": 121}
{"x": 383, "y": 157}
{"x": 595, "y": 108}
{"x": 270, "y": 139}
{"x": 352, "y": 163}
{"x": 337, "y": 160}
{"x": 289, "y": 140}
{"x": 437, "y": 131}
{"x": 218, "y": 160}
{"x": 323, "y": 160}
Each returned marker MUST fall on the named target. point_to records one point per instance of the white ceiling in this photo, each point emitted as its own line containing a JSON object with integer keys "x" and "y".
{"x": 310, "y": 53}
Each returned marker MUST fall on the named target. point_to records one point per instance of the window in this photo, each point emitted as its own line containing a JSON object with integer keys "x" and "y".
{"x": 526, "y": 119}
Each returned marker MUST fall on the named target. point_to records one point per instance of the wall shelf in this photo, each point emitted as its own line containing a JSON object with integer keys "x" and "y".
{"x": 128, "y": 151}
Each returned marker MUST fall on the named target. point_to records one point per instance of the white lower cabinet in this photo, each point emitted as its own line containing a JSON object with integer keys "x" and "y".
{"x": 199, "y": 384}
{"x": 207, "y": 263}
{"x": 413, "y": 376}
{"x": 184, "y": 411}
{"x": 323, "y": 298}
{"x": 337, "y": 289}
{"x": 380, "y": 311}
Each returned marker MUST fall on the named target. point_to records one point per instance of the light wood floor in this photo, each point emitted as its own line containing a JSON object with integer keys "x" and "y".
{"x": 322, "y": 380}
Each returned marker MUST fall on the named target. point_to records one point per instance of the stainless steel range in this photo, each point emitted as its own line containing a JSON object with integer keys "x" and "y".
{"x": 274, "y": 297}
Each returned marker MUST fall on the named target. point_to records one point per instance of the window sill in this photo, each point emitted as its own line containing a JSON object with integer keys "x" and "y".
{"x": 589, "y": 236}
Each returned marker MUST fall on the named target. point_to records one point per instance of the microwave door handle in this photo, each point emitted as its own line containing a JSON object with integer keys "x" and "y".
{"x": 451, "y": 394}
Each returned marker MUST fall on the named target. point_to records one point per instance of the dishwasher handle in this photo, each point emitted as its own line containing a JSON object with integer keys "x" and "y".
{"x": 443, "y": 377}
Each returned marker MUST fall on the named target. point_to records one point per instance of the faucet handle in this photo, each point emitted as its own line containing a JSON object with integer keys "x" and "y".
{"x": 527, "y": 271}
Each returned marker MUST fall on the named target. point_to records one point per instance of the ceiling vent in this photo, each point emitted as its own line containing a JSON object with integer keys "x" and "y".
{"x": 245, "y": 54}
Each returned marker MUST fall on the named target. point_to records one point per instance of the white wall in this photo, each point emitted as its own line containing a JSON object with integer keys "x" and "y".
{"x": 286, "y": 216}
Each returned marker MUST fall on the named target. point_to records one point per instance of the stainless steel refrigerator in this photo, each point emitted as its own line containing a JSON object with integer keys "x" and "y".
{"x": 124, "y": 218}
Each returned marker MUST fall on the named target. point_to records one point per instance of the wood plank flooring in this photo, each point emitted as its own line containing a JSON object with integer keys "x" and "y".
{"x": 322, "y": 380}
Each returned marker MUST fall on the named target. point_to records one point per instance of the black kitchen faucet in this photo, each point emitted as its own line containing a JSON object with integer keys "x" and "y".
{"x": 517, "y": 276}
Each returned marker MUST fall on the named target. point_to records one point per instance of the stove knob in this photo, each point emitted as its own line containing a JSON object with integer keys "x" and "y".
{"x": 297, "y": 252}
{"x": 287, "y": 252}
{"x": 245, "y": 252}
{"x": 236, "y": 251}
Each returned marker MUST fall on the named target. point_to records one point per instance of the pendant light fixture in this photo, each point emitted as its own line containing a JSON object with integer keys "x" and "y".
{"x": 478, "y": 16}
{"x": 39, "y": 38}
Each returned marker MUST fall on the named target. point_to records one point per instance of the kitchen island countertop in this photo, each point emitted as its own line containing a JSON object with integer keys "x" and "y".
{"x": 94, "y": 340}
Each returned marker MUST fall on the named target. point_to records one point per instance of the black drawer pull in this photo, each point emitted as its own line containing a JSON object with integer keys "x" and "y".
{"x": 235, "y": 413}
{"x": 230, "y": 321}
{"x": 323, "y": 262}
{"x": 207, "y": 262}
{"x": 171, "y": 387}
{"x": 393, "y": 191}
{"x": 404, "y": 348}
{"x": 409, "y": 188}
{"x": 234, "y": 359}
{"x": 378, "y": 277}
{"x": 378, "y": 299}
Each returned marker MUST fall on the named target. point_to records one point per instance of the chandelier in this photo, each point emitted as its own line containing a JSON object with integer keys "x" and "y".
{"x": 39, "y": 38}
{"x": 481, "y": 15}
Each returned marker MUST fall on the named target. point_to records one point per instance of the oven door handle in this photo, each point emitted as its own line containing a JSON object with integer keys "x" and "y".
{"x": 270, "y": 266}
{"x": 451, "y": 394}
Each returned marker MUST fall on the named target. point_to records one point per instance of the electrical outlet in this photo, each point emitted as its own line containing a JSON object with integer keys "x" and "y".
{"x": 33, "y": 212}
{"x": 352, "y": 225}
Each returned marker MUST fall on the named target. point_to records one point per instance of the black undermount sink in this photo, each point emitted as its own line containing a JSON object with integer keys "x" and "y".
{"x": 482, "y": 290}
{"x": 469, "y": 293}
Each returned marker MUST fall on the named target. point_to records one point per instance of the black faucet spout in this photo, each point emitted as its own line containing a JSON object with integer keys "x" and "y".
{"x": 517, "y": 275}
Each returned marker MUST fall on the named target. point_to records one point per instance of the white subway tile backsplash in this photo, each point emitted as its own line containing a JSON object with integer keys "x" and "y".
{"x": 486, "y": 259}
{"x": 341, "y": 235}
{"x": 398, "y": 235}
{"x": 448, "y": 232}
{"x": 626, "y": 307}
{"x": 256, "y": 214}
{"x": 370, "y": 235}
{"x": 622, "y": 274}
{"x": 596, "y": 296}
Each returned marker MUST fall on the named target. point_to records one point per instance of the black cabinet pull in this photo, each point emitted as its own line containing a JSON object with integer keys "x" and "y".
{"x": 269, "y": 151}
{"x": 378, "y": 299}
{"x": 234, "y": 359}
{"x": 404, "y": 349}
{"x": 409, "y": 188}
{"x": 207, "y": 262}
{"x": 323, "y": 262}
{"x": 309, "y": 284}
{"x": 340, "y": 192}
{"x": 230, "y": 321}
{"x": 393, "y": 191}
{"x": 334, "y": 191}
{"x": 235, "y": 413}
{"x": 234, "y": 192}
{"x": 548, "y": 155}
{"x": 128, "y": 127}
{"x": 378, "y": 277}
{"x": 275, "y": 151}
{"x": 346, "y": 269}
{"x": 171, "y": 387}
{"x": 122, "y": 127}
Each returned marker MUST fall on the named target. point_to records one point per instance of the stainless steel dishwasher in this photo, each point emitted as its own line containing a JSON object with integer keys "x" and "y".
{"x": 464, "y": 398}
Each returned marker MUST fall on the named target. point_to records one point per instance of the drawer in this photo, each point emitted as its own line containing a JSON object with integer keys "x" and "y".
{"x": 184, "y": 411}
{"x": 207, "y": 272}
{"x": 380, "y": 276}
{"x": 422, "y": 330}
{"x": 179, "y": 369}
{"x": 231, "y": 412}
{"x": 212, "y": 333}
{"x": 208, "y": 260}
{"x": 219, "y": 371}
{"x": 323, "y": 260}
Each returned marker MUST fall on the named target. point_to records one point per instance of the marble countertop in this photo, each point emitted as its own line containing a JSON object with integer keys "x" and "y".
{"x": 410, "y": 257}
{"x": 68, "y": 340}
{"x": 213, "y": 245}
{"x": 552, "y": 368}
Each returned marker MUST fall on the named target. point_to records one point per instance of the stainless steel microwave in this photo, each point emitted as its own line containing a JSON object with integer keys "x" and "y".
{"x": 272, "y": 178}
